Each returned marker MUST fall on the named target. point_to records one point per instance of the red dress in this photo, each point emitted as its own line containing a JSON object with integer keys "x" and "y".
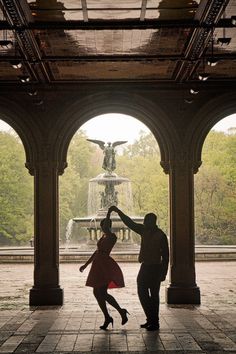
{"x": 104, "y": 270}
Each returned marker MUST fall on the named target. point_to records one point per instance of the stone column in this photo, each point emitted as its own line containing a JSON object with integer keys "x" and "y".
{"x": 182, "y": 288}
{"x": 46, "y": 289}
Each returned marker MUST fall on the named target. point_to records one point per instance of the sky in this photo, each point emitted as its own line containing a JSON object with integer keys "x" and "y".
{"x": 114, "y": 127}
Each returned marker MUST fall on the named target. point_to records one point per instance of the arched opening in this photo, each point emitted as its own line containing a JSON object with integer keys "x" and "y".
{"x": 137, "y": 166}
{"x": 215, "y": 185}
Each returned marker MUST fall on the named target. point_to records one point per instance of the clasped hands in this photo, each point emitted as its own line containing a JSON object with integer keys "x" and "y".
{"x": 113, "y": 208}
{"x": 110, "y": 210}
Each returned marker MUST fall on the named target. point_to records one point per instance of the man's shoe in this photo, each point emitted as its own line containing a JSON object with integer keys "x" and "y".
{"x": 153, "y": 327}
{"x": 145, "y": 325}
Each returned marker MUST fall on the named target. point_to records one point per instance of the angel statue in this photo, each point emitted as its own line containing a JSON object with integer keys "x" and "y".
{"x": 109, "y": 161}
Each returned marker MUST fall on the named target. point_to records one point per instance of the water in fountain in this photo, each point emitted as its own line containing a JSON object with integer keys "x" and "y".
{"x": 69, "y": 228}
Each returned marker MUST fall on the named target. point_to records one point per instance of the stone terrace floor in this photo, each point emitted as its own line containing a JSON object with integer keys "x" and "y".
{"x": 74, "y": 327}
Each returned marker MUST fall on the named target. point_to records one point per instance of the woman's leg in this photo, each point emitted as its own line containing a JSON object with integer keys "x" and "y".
{"x": 100, "y": 295}
{"x": 112, "y": 301}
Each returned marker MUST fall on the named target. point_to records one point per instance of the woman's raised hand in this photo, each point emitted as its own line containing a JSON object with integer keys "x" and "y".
{"x": 82, "y": 268}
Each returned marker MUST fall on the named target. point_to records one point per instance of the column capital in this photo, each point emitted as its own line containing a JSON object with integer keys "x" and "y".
{"x": 182, "y": 165}
{"x": 181, "y": 161}
{"x": 45, "y": 166}
{"x": 185, "y": 165}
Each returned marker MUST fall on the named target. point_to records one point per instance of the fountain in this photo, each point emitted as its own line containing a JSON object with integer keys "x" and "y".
{"x": 105, "y": 190}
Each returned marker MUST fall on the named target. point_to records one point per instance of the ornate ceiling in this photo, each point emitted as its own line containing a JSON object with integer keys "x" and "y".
{"x": 89, "y": 40}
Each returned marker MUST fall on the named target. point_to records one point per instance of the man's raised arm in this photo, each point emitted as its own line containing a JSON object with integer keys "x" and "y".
{"x": 136, "y": 227}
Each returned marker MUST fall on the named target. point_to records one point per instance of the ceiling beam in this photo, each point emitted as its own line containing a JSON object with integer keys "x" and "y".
{"x": 18, "y": 16}
{"x": 119, "y": 58}
{"x": 143, "y": 10}
{"x": 209, "y": 13}
{"x": 114, "y": 24}
{"x": 85, "y": 10}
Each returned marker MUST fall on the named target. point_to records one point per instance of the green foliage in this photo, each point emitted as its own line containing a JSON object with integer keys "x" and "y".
{"x": 16, "y": 193}
{"x": 215, "y": 190}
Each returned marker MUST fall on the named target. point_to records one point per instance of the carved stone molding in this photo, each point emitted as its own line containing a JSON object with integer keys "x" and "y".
{"x": 184, "y": 166}
{"x": 61, "y": 167}
{"x": 166, "y": 166}
{"x": 31, "y": 167}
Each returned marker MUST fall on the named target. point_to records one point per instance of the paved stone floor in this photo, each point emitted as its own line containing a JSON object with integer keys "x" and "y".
{"x": 209, "y": 328}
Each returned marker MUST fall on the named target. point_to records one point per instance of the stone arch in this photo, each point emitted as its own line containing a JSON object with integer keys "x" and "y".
{"x": 211, "y": 113}
{"x": 134, "y": 105}
{"x": 21, "y": 122}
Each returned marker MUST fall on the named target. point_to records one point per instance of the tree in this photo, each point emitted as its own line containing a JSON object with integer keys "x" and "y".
{"x": 215, "y": 190}
{"x": 16, "y": 193}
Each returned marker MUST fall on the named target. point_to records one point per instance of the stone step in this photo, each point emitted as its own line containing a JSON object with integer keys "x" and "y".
{"x": 121, "y": 254}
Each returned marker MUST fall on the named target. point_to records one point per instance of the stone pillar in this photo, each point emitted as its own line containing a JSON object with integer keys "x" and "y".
{"x": 46, "y": 289}
{"x": 182, "y": 288}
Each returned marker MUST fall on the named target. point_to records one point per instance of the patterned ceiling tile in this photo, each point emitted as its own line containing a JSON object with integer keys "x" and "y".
{"x": 135, "y": 4}
{"x": 114, "y": 15}
{"x": 53, "y": 10}
{"x": 55, "y": 4}
{"x": 230, "y": 9}
{"x": 112, "y": 42}
{"x": 71, "y": 71}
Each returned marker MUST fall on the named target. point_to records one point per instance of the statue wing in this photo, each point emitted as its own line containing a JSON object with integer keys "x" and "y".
{"x": 116, "y": 143}
{"x": 99, "y": 142}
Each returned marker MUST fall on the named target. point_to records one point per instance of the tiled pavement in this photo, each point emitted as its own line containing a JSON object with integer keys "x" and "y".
{"x": 209, "y": 328}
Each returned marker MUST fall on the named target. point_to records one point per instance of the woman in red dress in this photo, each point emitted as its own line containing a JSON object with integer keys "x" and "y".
{"x": 105, "y": 274}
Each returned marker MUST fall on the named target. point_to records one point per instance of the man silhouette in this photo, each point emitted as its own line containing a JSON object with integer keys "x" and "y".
{"x": 154, "y": 259}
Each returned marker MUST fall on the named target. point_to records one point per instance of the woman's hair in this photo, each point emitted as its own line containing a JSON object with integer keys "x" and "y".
{"x": 106, "y": 220}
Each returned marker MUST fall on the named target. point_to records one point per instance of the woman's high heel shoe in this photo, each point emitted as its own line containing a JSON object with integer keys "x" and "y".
{"x": 107, "y": 322}
{"x": 124, "y": 316}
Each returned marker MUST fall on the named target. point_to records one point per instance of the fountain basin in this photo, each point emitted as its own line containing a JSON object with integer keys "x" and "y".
{"x": 123, "y": 233}
{"x": 105, "y": 178}
{"x": 89, "y": 221}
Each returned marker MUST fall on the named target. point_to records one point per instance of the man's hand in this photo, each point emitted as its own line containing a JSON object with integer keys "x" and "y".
{"x": 113, "y": 208}
{"x": 82, "y": 268}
